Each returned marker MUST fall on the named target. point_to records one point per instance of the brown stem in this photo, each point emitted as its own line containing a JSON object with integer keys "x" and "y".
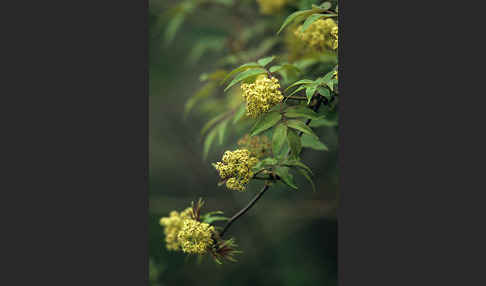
{"x": 264, "y": 169}
{"x": 297, "y": 97}
{"x": 263, "y": 178}
{"x": 244, "y": 210}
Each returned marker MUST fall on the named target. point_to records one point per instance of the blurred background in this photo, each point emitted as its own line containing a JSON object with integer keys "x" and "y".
{"x": 289, "y": 237}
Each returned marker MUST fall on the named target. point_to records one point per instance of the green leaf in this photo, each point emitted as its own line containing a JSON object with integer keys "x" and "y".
{"x": 244, "y": 75}
{"x": 311, "y": 19}
{"x": 297, "y": 163}
{"x": 213, "y": 213}
{"x": 313, "y": 143}
{"x": 204, "y": 77}
{"x": 302, "y": 81}
{"x": 225, "y": 2}
{"x": 325, "y": 79}
{"x": 239, "y": 114}
{"x": 325, "y": 5}
{"x": 299, "y": 125}
{"x": 214, "y": 76}
{"x": 324, "y": 92}
{"x": 269, "y": 161}
{"x": 287, "y": 178}
{"x": 275, "y": 68}
{"x": 294, "y": 143}
{"x": 173, "y": 26}
{"x": 205, "y": 91}
{"x": 291, "y": 67}
{"x": 250, "y": 79}
{"x": 278, "y": 139}
{"x": 212, "y": 219}
{"x": 295, "y": 91}
{"x": 240, "y": 69}
{"x": 301, "y": 111}
{"x": 301, "y": 14}
{"x": 304, "y": 173}
{"x": 207, "y": 143}
{"x": 309, "y": 92}
{"x": 266, "y": 121}
{"x": 278, "y": 107}
{"x": 205, "y": 45}
{"x": 323, "y": 122}
{"x": 331, "y": 85}
{"x": 285, "y": 67}
{"x": 292, "y": 17}
{"x": 264, "y": 164}
{"x": 286, "y": 70}
{"x": 265, "y": 61}
{"x": 222, "y": 130}
{"x": 212, "y": 122}
{"x": 285, "y": 150}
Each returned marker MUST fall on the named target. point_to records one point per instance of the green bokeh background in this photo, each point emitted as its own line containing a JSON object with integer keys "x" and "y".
{"x": 288, "y": 238}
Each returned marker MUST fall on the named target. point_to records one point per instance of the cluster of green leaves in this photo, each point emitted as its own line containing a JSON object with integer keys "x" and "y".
{"x": 211, "y": 217}
{"x": 254, "y": 41}
{"x": 249, "y": 71}
{"x": 290, "y": 135}
{"x": 322, "y": 85}
{"x": 290, "y": 123}
{"x": 304, "y": 81}
{"x": 310, "y": 15}
{"x": 227, "y": 111}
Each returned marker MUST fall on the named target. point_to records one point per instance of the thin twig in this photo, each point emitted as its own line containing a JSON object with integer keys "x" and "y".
{"x": 297, "y": 97}
{"x": 262, "y": 178}
{"x": 245, "y": 209}
{"x": 264, "y": 169}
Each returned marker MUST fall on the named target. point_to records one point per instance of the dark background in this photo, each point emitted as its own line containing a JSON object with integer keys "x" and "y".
{"x": 288, "y": 238}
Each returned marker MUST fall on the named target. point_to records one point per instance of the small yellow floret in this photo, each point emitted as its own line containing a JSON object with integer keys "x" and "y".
{"x": 261, "y": 95}
{"x": 195, "y": 237}
{"x": 172, "y": 225}
{"x": 236, "y": 168}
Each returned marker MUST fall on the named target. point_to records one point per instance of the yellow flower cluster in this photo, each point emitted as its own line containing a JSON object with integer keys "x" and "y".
{"x": 259, "y": 146}
{"x": 271, "y": 6}
{"x": 320, "y": 35}
{"x": 334, "y": 36}
{"x": 195, "y": 237}
{"x": 295, "y": 47}
{"x": 172, "y": 225}
{"x": 261, "y": 95}
{"x": 236, "y": 168}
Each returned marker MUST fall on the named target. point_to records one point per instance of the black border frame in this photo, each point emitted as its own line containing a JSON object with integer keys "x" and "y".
{"x": 78, "y": 131}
